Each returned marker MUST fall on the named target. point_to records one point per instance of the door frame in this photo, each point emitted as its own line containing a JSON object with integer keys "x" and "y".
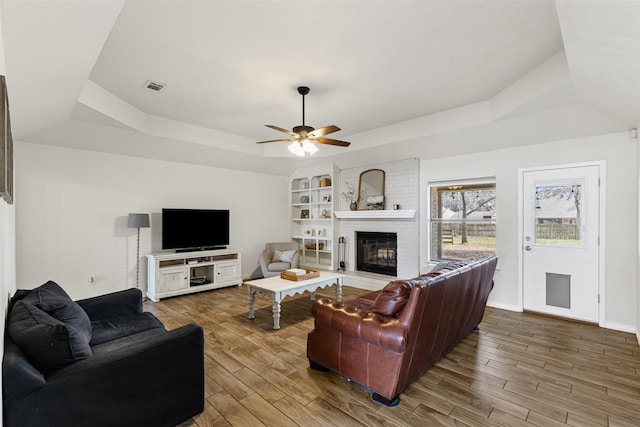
{"x": 601, "y": 230}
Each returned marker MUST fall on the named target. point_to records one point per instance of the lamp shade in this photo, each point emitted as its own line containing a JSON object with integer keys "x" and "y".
{"x": 138, "y": 220}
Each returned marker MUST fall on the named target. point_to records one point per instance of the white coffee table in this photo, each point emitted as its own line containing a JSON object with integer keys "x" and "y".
{"x": 276, "y": 288}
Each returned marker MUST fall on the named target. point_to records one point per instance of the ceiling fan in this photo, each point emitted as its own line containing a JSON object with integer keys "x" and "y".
{"x": 304, "y": 136}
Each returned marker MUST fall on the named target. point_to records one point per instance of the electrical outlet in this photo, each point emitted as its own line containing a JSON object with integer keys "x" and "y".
{"x": 91, "y": 280}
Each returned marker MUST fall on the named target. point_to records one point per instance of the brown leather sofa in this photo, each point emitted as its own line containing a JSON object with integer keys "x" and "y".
{"x": 385, "y": 340}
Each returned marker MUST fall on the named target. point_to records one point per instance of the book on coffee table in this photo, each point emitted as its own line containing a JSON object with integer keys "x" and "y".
{"x": 296, "y": 271}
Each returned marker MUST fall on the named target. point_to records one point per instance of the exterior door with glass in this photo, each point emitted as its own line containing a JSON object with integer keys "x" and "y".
{"x": 560, "y": 258}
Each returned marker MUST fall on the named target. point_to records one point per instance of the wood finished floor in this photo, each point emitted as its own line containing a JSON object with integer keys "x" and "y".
{"x": 519, "y": 370}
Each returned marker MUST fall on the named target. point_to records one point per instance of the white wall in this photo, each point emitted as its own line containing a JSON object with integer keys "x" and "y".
{"x": 73, "y": 207}
{"x": 621, "y": 227}
{"x": 7, "y": 257}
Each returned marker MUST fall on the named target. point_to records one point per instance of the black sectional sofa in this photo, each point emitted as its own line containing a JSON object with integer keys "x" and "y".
{"x": 97, "y": 362}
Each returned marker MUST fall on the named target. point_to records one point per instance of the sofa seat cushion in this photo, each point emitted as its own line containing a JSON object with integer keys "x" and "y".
{"x": 102, "y": 353}
{"x": 108, "y": 347}
{"x": 48, "y": 342}
{"x": 117, "y": 327}
{"x": 279, "y": 266}
{"x": 52, "y": 299}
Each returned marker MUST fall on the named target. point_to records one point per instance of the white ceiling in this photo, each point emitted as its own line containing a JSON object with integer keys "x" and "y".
{"x": 398, "y": 77}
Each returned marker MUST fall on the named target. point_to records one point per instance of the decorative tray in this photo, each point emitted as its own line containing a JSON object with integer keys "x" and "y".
{"x": 310, "y": 275}
{"x": 312, "y": 246}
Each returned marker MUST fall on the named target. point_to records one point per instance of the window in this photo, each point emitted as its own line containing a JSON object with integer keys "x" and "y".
{"x": 462, "y": 219}
{"x": 558, "y": 214}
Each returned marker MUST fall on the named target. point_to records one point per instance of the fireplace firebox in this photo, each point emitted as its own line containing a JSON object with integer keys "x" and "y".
{"x": 377, "y": 252}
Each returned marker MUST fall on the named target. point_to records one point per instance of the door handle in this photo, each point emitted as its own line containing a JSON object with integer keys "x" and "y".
{"x": 527, "y": 248}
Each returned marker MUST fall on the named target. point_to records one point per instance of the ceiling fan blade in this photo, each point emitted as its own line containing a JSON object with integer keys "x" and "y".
{"x": 276, "y": 140}
{"x": 330, "y": 141}
{"x": 288, "y": 132}
{"x": 324, "y": 131}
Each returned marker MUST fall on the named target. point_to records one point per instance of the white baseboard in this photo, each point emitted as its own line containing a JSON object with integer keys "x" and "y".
{"x": 621, "y": 327}
{"x": 508, "y": 307}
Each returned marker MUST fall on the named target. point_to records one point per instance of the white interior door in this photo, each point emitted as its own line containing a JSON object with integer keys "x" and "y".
{"x": 560, "y": 241}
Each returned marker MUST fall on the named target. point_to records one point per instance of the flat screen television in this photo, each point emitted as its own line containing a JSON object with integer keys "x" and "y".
{"x": 194, "y": 229}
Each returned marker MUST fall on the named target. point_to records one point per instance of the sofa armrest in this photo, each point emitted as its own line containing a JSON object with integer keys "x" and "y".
{"x": 113, "y": 305}
{"x": 265, "y": 259}
{"x": 295, "y": 260}
{"x": 388, "y": 332}
{"x": 19, "y": 377}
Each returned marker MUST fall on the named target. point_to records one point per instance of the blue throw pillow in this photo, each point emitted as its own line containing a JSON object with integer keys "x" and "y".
{"x": 48, "y": 342}
{"x": 52, "y": 299}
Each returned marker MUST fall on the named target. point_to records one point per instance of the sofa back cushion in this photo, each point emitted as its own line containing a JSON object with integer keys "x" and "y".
{"x": 392, "y": 299}
{"x": 48, "y": 342}
{"x": 53, "y": 300}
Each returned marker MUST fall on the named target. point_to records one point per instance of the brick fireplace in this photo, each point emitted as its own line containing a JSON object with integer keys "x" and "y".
{"x": 402, "y": 188}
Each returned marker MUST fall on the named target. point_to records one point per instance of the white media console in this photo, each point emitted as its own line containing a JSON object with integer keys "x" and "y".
{"x": 171, "y": 274}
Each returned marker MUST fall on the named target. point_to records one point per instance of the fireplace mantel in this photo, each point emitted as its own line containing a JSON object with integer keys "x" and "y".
{"x": 376, "y": 214}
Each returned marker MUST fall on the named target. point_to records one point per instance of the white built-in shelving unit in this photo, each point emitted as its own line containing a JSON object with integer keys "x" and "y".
{"x": 313, "y": 194}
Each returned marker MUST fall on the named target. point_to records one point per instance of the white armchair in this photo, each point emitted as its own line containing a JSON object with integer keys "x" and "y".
{"x": 278, "y": 257}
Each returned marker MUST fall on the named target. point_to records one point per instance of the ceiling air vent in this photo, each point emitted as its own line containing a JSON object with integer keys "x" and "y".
{"x": 151, "y": 85}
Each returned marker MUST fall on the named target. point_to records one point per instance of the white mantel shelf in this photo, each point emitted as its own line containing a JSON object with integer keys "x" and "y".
{"x": 376, "y": 214}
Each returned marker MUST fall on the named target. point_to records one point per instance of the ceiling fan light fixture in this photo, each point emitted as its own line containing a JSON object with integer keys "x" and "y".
{"x": 303, "y": 148}
{"x": 296, "y": 149}
{"x": 309, "y": 148}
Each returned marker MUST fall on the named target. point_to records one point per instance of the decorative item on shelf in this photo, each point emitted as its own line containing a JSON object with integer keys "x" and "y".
{"x": 304, "y": 213}
{"x": 325, "y": 213}
{"x": 138, "y": 220}
{"x": 326, "y": 199}
{"x": 325, "y": 182}
{"x": 313, "y": 246}
{"x": 352, "y": 196}
{"x": 396, "y": 207}
{"x": 304, "y": 185}
{"x": 375, "y": 203}
{"x": 304, "y": 199}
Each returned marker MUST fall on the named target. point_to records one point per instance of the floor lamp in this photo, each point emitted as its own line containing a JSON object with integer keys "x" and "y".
{"x": 138, "y": 220}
